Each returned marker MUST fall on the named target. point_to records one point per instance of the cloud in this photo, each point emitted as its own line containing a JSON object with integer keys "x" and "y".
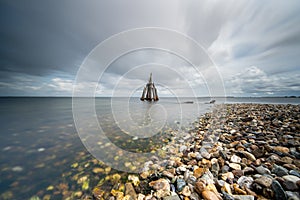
{"x": 44, "y": 43}
{"x": 254, "y": 81}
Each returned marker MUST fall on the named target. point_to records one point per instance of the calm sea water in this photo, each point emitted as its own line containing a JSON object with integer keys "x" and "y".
{"x": 39, "y": 141}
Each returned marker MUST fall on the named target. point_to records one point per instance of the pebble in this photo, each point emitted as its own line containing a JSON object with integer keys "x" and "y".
{"x": 295, "y": 173}
{"x": 290, "y": 182}
{"x": 186, "y": 191}
{"x": 235, "y": 159}
{"x": 41, "y": 149}
{"x": 243, "y": 197}
{"x": 180, "y": 183}
{"x": 279, "y": 170}
{"x": 235, "y": 166}
{"x": 160, "y": 184}
{"x": 173, "y": 197}
{"x": 280, "y": 149}
{"x": 264, "y": 181}
{"x": 17, "y": 169}
{"x": 262, "y": 170}
{"x": 209, "y": 195}
{"x": 279, "y": 192}
{"x": 129, "y": 190}
{"x": 244, "y": 151}
{"x": 248, "y": 155}
{"x": 245, "y": 181}
{"x": 204, "y": 153}
{"x": 198, "y": 172}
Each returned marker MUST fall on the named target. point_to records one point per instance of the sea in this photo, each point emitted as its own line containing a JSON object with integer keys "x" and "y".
{"x": 40, "y": 142}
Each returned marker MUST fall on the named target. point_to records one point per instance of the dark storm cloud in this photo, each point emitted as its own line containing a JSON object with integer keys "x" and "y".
{"x": 43, "y": 43}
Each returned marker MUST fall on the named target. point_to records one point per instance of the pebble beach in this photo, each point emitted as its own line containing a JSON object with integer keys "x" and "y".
{"x": 237, "y": 151}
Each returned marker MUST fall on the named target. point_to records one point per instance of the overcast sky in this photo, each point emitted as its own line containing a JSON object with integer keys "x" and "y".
{"x": 255, "y": 46}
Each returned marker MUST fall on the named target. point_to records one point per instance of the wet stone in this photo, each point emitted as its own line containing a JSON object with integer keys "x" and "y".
{"x": 292, "y": 195}
{"x": 235, "y": 166}
{"x": 295, "y": 173}
{"x": 209, "y": 195}
{"x": 129, "y": 190}
{"x": 235, "y": 159}
{"x": 204, "y": 153}
{"x": 245, "y": 181}
{"x": 263, "y": 170}
{"x": 243, "y": 197}
{"x": 180, "y": 183}
{"x": 279, "y": 170}
{"x": 264, "y": 181}
{"x": 290, "y": 182}
{"x": 173, "y": 197}
{"x": 279, "y": 192}
{"x": 160, "y": 184}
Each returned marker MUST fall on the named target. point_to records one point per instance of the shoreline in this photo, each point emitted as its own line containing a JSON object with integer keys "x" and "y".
{"x": 241, "y": 151}
{"x": 234, "y": 151}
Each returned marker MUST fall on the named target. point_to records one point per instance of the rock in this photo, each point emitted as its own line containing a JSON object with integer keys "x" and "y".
{"x": 212, "y": 187}
{"x": 172, "y": 197}
{"x": 228, "y": 175}
{"x": 208, "y": 177}
{"x": 279, "y": 171}
{"x": 293, "y": 195}
{"x": 290, "y": 182}
{"x": 225, "y": 169}
{"x": 186, "y": 191}
{"x": 250, "y": 192}
{"x": 215, "y": 167}
{"x": 78, "y": 194}
{"x": 160, "y": 184}
{"x": 295, "y": 173}
{"x": 194, "y": 196}
{"x": 199, "y": 187}
{"x": 279, "y": 192}
{"x": 245, "y": 181}
{"x": 248, "y": 170}
{"x": 238, "y": 190}
{"x": 181, "y": 169}
{"x": 227, "y": 196}
{"x": 182, "y": 148}
{"x": 180, "y": 183}
{"x": 34, "y": 198}
{"x": 248, "y": 155}
{"x": 198, "y": 172}
{"x": 209, "y": 195}
{"x": 264, "y": 181}
{"x": 286, "y": 160}
{"x": 17, "y": 169}
{"x": 129, "y": 190}
{"x": 135, "y": 179}
{"x": 280, "y": 149}
{"x": 141, "y": 197}
{"x": 204, "y": 153}
{"x": 235, "y": 159}
{"x": 243, "y": 197}
{"x": 259, "y": 152}
{"x": 161, "y": 193}
{"x": 262, "y": 170}
{"x": 235, "y": 166}
{"x": 227, "y": 188}
{"x": 168, "y": 174}
{"x": 192, "y": 179}
{"x": 96, "y": 170}
{"x": 238, "y": 173}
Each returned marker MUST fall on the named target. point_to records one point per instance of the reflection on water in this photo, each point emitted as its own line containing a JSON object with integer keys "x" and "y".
{"x": 41, "y": 153}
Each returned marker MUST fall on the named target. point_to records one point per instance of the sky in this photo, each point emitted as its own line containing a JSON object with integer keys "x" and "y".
{"x": 253, "y": 47}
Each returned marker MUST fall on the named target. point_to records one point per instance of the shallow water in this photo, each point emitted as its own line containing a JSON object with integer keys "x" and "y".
{"x": 39, "y": 141}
